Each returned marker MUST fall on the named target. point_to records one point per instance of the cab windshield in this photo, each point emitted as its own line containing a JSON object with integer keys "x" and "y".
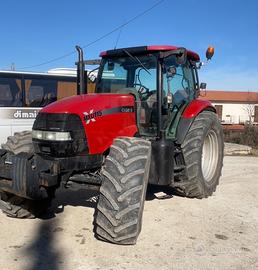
{"x": 134, "y": 72}
{"x": 138, "y": 74}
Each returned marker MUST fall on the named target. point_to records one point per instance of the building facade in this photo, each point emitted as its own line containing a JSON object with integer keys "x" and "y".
{"x": 234, "y": 107}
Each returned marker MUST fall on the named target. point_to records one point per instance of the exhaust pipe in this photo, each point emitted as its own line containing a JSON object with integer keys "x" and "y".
{"x": 81, "y": 73}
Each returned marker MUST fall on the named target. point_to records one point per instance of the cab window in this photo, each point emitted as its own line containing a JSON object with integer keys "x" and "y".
{"x": 178, "y": 80}
{"x": 145, "y": 80}
{"x": 114, "y": 77}
{"x": 128, "y": 72}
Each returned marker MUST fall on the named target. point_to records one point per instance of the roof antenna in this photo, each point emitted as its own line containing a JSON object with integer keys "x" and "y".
{"x": 118, "y": 36}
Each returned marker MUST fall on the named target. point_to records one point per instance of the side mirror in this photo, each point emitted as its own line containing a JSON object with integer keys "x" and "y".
{"x": 92, "y": 78}
{"x": 203, "y": 86}
{"x": 209, "y": 52}
{"x": 202, "y": 89}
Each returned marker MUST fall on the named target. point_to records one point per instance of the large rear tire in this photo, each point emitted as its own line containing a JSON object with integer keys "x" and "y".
{"x": 125, "y": 173}
{"x": 12, "y": 205}
{"x": 203, "y": 150}
{"x": 19, "y": 142}
{"x": 18, "y": 207}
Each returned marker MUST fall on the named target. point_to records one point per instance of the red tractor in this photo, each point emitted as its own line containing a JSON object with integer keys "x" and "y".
{"x": 143, "y": 125}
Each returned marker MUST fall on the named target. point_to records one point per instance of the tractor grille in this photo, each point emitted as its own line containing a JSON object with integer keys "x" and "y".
{"x": 61, "y": 123}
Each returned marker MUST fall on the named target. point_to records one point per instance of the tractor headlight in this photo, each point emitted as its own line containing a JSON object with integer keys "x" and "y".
{"x": 51, "y": 135}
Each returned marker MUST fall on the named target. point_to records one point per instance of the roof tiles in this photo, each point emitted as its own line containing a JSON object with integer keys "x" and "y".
{"x": 230, "y": 96}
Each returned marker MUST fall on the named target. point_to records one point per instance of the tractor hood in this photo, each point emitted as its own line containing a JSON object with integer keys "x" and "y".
{"x": 83, "y": 104}
{"x": 104, "y": 117}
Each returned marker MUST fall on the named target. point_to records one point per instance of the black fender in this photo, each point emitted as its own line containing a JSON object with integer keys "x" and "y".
{"x": 20, "y": 175}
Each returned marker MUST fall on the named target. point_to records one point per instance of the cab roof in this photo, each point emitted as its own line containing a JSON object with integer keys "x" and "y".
{"x": 152, "y": 48}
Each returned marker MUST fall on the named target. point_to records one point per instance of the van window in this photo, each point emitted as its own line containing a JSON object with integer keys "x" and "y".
{"x": 66, "y": 89}
{"x": 10, "y": 92}
{"x": 40, "y": 92}
{"x": 34, "y": 90}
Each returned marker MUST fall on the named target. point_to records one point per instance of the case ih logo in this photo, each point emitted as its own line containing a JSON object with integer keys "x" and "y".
{"x": 90, "y": 117}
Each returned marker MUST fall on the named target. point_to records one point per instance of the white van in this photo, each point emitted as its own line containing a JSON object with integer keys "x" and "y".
{"x": 22, "y": 94}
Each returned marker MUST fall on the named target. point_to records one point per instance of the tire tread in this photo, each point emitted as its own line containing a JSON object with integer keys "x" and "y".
{"x": 190, "y": 183}
{"x": 125, "y": 173}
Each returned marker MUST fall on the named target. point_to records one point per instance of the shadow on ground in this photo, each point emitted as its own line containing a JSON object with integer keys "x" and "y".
{"x": 89, "y": 199}
{"x": 42, "y": 252}
{"x": 74, "y": 198}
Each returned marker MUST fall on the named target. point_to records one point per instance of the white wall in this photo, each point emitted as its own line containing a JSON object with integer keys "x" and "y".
{"x": 235, "y": 113}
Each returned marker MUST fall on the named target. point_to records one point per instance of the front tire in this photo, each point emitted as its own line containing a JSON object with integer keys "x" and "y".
{"x": 122, "y": 194}
{"x": 203, "y": 150}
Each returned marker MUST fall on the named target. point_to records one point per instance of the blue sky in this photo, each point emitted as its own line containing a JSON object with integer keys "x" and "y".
{"x": 33, "y": 32}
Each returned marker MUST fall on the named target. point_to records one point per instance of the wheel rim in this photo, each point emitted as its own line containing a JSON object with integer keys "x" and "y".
{"x": 210, "y": 155}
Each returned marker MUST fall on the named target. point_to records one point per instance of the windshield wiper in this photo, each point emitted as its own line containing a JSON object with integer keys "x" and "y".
{"x": 137, "y": 60}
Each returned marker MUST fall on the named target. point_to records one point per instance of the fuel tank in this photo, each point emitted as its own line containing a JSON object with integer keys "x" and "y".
{"x": 104, "y": 117}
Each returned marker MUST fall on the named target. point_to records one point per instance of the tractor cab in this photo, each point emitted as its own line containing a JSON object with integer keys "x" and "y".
{"x": 161, "y": 78}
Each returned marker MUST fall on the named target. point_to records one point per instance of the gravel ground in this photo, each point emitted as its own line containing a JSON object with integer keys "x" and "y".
{"x": 220, "y": 232}
{"x": 233, "y": 149}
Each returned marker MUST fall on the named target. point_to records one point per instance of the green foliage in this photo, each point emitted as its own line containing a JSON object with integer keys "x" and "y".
{"x": 249, "y": 136}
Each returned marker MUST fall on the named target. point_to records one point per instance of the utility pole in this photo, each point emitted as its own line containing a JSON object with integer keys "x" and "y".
{"x": 13, "y": 66}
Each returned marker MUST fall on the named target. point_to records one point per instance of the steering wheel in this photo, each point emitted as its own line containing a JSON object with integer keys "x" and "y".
{"x": 143, "y": 90}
